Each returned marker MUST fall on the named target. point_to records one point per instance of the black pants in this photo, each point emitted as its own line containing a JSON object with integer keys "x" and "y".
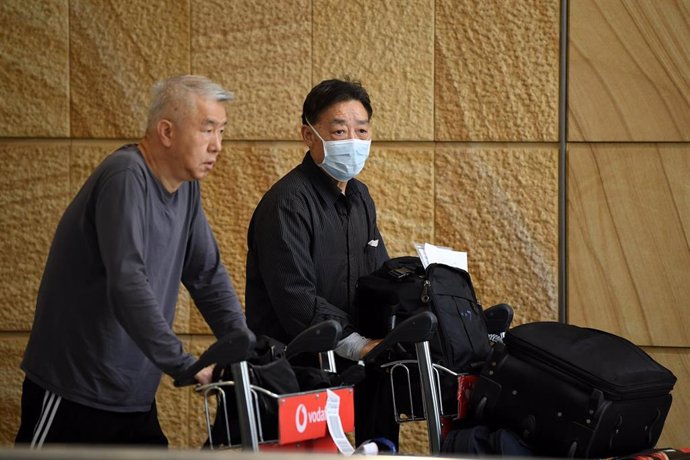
{"x": 374, "y": 416}
{"x": 48, "y": 418}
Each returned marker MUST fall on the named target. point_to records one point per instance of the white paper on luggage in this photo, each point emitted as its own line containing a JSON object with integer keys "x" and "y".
{"x": 335, "y": 427}
{"x": 431, "y": 254}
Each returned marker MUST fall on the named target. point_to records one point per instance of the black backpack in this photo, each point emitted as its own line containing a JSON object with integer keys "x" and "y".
{"x": 402, "y": 288}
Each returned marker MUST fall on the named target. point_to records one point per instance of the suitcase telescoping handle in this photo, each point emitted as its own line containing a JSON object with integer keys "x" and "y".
{"x": 231, "y": 348}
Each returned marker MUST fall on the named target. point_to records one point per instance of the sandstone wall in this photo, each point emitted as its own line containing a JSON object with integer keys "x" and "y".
{"x": 465, "y": 153}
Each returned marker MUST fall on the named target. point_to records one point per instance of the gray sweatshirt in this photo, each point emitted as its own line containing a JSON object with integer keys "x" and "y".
{"x": 102, "y": 331}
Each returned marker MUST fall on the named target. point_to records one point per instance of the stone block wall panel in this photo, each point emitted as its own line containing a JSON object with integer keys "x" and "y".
{"x": 500, "y": 204}
{"x": 173, "y": 405}
{"x": 196, "y": 420}
{"x": 34, "y": 178}
{"x": 629, "y": 221}
{"x": 34, "y": 68}
{"x": 117, "y": 51}
{"x": 496, "y": 70}
{"x": 465, "y": 154}
{"x": 388, "y": 46}
{"x": 400, "y": 179}
{"x": 242, "y": 174}
{"x": 11, "y": 378}
{"x": 628, "y": 74}
{"x": 262, "y": 52}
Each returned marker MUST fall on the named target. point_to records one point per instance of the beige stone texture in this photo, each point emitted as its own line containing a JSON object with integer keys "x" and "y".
{"x": 400, "y": 178}
{"x": 196, "y": 419}
{"x": 117, "y": 51}
{"x": 74, "y": 81}
{"x": 33, "y": 194}
{"x": 496, "y": 70}
{"x": 500, "y": 204}
{"x": 628, "y": 71}
{"x": 243, "y": 173}
{"x": 11, "y": 378}
{"x": 388, "y": 46}
{"x": 262, "y": 52}
{"x": 629, "y": 234}
{"x": 181, "y": 410}
{"x": 34, "y": 68}
{"x": 173, "y": 405}
{"x": 414, "y": 439}
{"x": 676, "y": 429}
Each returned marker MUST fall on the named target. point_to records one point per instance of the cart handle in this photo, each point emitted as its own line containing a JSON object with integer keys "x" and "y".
{"x": 418, "y": 328}
{"x": 498, "y": 318}
{"x": 320, "y": 337}
{"x": 233, "y": 347}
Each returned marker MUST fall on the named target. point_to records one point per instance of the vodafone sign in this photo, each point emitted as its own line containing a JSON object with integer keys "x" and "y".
{"x": 303, "y": 416}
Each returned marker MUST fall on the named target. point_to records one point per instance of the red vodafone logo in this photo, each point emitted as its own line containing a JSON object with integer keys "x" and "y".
{"x": 303, "y": 416}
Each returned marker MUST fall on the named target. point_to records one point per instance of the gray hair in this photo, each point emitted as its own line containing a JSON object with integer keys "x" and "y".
{"x": 169, "y": 95}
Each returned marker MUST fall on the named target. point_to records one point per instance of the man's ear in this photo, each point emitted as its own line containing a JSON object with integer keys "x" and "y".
{"x": 307, "y": 135}
{"x": 165, "y": 129}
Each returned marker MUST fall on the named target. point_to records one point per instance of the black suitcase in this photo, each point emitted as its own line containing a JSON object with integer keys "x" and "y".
{"x": 574, "y": 392}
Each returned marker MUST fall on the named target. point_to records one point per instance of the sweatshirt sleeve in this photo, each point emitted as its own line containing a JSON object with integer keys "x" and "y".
{"x": 207, "y": 280}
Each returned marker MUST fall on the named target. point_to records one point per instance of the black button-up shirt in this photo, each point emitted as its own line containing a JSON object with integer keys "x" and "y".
{"x": 308, "y": 245}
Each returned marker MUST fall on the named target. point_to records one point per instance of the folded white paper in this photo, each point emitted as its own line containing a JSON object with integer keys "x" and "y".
{"x": 431, "y": 254}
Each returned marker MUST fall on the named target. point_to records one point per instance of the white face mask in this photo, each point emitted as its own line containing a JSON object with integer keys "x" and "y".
{"x": 343, "y": 160}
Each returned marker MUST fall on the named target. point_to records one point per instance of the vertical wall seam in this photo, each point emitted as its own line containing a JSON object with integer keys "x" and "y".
{"x": 562, "y": 166}
{"x": 190, "y": 32}
{"x": 433, "y": 125}
{"x": 311, "y": 61}
{"x": 70, "y": 148}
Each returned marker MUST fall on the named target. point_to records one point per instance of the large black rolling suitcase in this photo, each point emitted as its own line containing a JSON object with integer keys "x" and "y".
{"x": 574, "y": 392}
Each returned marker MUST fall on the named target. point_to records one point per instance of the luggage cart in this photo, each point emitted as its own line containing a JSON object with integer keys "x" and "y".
{"x": 301, "y": 417}
{"x": 418, "y": 329}
{"x": 444, "y": 392}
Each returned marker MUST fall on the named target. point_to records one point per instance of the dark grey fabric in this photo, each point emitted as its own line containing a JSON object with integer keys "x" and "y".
{"x": 102, "y": 332}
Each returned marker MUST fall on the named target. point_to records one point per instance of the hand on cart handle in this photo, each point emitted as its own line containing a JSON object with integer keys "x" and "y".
{"x": 233, "y": 347}
{"x": 205, "y": 375}
{"x": 418, "y": 328}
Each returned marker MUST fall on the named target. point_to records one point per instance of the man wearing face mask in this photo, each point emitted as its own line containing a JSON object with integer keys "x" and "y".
{"x": 314, "y": 234}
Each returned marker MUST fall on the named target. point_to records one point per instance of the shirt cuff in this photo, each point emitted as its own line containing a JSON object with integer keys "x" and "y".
{"x": 351, "y": 346}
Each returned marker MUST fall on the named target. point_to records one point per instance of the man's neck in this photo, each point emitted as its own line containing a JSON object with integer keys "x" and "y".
{"x": 152, "y": 156}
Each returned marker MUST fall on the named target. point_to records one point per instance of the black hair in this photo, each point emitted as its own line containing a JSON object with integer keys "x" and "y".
{"x": 330, "y": 92}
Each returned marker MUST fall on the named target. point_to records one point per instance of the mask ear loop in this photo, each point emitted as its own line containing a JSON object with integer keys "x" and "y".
{"x": 323, "y": 143}
{"x": 315, "y": 131}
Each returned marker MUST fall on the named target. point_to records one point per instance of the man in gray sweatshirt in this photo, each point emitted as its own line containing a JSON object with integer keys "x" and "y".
{"x": 102, "y": 333}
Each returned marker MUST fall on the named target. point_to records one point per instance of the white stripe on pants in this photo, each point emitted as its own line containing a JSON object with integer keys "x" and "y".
{"x": 51, "y": 401}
